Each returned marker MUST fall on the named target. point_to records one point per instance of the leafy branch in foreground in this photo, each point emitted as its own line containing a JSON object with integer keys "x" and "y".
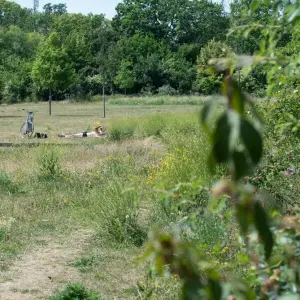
{"x": 237, "y": 144}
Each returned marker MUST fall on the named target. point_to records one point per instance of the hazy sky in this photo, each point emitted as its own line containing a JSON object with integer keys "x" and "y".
{"x": 106, "y": 7}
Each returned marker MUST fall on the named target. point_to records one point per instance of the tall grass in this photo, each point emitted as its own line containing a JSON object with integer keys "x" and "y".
{"x": 157, "y": 100}
{"x": 108, "y": 187}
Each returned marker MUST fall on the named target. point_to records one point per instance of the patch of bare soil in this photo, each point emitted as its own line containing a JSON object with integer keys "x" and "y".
{"x": 40, "y": 272}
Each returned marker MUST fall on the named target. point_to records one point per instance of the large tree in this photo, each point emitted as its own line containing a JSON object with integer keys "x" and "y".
{"x": 142, "y": 57}
{"x": 53, "y": 69}
{"x": 17, "y": 53}
{"x": 175, "y": 21}
{"x": 12, "y": 14}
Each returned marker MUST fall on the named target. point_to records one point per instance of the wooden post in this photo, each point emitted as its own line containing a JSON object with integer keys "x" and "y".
{"x": 50, "y": 101}
{"x": 103, "y": 96}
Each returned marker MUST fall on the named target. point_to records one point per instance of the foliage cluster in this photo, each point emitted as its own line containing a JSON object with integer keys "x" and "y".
{"x": 53, "y": 53}
{"x": 267, "y": 241}
{"x": 76, "y": 292}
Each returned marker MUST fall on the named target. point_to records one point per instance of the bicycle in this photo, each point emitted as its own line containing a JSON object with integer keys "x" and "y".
{"x": 27, "y": 129}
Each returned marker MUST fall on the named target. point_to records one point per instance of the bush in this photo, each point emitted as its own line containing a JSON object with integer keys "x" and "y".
{"x": 186, "y": 159}
{"x": 49, "y": 163}
{"x": 122, "y": 130}
{"x": 152, "y": 126}
{"x": 119, "y": 215}
{"x": 167, "y": 90}
{"x": 207, "y": 83}
{"x": 6, "y": 184}
{"x": 255, "y": 82}
{"x": 271, "y": 174}
{"x": 287, "y": 102}
{"x": 76, "y": 292}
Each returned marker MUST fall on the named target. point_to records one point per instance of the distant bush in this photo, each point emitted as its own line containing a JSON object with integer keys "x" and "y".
{"x": 287, "y": 103}
{"x": 76, "y": 292}
{"x": 272, "y": 174}
{"x": 207, "y": 83}
{"x": 255, "y": 83}
{"x": 167, "y": 90}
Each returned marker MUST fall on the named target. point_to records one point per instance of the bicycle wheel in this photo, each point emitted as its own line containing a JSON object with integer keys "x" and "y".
{"x": 24, "y": 133}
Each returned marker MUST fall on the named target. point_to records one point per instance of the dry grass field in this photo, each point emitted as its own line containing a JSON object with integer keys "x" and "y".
{"x": 79, "y": 210}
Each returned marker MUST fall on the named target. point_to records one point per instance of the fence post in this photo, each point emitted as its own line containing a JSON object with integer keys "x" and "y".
{"x": 103, "y": 96}
{"x": 50, "y": 101}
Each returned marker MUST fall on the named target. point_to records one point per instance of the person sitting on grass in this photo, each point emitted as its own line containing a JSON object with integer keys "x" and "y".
{"x": 98, "y": 132}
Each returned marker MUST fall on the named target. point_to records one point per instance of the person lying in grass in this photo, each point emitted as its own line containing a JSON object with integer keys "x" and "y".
{"x": 98, "y": 132}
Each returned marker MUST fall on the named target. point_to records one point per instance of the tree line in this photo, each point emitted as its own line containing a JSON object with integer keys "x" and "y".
{"x": 152, "y": 46}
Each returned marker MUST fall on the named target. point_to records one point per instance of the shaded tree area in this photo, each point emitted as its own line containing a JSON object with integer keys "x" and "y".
{"x": 148, "y": 46}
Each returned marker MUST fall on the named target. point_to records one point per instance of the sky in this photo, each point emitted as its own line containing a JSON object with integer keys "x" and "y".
{"x": 106, "y": 7}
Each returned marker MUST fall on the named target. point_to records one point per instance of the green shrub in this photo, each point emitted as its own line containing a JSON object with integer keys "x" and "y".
{"x": 208, "y": 85}
{"x": 167, "y": 90}
{"x": 49, "y": 163}
{"x": 186, "y": 158}
{"x": 119, "y": 215}
{"x": 152, "y": 125}
{"x": 122, "y": 130}
{"x": 7, "y": 184}
{"x": 271, "y": 174}
{"x": 287, "y": 102}
{"x": 84, "y": 264}
{"x": 208, "y": 230}
{"x": 76, "y": 292}
{"x": 255, "y": 82}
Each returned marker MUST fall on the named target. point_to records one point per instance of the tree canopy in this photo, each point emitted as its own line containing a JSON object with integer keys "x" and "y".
{"x": 147, "y": 45}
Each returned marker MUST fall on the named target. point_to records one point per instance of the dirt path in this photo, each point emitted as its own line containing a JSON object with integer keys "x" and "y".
{"x": 38, "y": 273}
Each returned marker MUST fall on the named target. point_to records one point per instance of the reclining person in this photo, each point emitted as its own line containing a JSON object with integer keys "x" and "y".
{"x": 98, "y": 132}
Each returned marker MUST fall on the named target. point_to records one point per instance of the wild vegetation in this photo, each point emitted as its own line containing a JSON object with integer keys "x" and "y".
{"x": 187, "y": 197}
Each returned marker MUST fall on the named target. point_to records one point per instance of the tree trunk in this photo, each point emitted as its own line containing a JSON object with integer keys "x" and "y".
{"x": 50, "y": 102}
{"x": 103, "y": 96}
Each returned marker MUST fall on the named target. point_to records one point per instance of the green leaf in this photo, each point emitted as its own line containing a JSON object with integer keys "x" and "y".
{"x": 294, "y": 15}
{"x": 208, "y": 111}
{"x": 225, "y": 136}
{"x": 221, "y": 140}
{"x": 235, "y": 96}
{"x": 242, "y": 214}
{"x": 289, "y": 297}
{"x": 191, "y": 290}
{"x": 254, "y": 5}
{"x": 252, "y": 140}
{"x": 262, "y": 225}
{"x": 257, "y": 120}
{"x": 238, "y": 100}
{"x": 215, "y": 290}
{"x": 240, "y": 164}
